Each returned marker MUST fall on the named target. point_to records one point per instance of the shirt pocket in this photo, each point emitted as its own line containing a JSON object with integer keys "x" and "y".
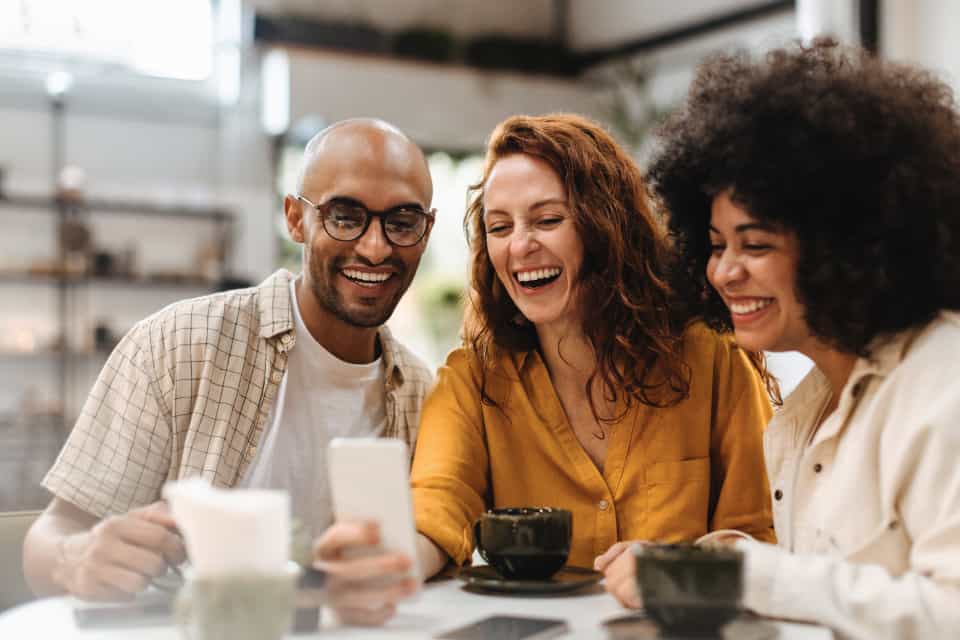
{"x": 678, "y": 497}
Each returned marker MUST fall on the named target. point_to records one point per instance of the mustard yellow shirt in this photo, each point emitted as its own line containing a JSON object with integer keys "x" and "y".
{"x": 671, "y": 474}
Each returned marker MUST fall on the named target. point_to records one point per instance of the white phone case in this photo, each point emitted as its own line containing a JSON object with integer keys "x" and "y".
{"x": 370, "y": 480}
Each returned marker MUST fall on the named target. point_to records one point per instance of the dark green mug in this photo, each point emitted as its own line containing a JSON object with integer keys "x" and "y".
{"x": 524, "y": 543}
{"x": 689, "y": 590}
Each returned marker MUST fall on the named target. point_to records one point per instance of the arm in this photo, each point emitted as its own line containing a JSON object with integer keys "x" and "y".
{"x": 864, "y": 600}
{"x": 740, "y": 493}
{"x": 114, "y": 462}
{"x": 449, "y": 474}
{"x": 67, "y": 550}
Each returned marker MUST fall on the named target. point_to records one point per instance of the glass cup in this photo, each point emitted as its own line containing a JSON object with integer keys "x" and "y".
{"x": 241, "y": 606}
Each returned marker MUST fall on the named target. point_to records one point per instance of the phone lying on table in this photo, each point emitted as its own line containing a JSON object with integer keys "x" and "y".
{"x": 370, "y": 480}
{"x": 508, "y": 628}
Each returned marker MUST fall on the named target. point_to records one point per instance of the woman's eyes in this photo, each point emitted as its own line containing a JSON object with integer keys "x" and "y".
{"x": 544, "y": 223}
{"x": 751, "y": 247}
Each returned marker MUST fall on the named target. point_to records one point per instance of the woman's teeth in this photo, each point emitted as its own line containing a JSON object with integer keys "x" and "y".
{"x": 743, "y": 308}
{"x": 538, "y": 274}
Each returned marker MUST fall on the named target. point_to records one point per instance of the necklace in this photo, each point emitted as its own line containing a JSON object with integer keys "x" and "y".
{"x": 601, "y": 434}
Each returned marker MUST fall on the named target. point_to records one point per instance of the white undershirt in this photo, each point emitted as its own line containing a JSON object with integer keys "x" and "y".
{"x": 320, "y": 397}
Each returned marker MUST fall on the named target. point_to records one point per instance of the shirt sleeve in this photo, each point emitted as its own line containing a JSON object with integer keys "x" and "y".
{"x": 740, "y": 494}
{"x": 866, "y": 600}
{"x": 117, "y": 456}
{"x": 449, "y": 475}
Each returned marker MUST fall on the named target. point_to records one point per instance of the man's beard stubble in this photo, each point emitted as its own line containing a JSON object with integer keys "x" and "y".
{"x": 329, "y": 297}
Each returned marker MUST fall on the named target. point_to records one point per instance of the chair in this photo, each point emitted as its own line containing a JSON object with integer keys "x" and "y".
{"x": 13, "y": 529}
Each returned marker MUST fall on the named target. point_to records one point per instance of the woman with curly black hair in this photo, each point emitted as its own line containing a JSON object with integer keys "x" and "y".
{"x": 815, "y": 199}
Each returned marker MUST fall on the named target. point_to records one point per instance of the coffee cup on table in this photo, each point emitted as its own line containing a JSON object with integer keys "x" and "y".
{"x": 238, "y": 606}
{"x": 524, "y": 543}
{"x": 689, "y": 590}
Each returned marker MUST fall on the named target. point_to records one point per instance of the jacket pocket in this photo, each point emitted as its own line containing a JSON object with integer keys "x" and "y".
{"x": 678, "y": 497}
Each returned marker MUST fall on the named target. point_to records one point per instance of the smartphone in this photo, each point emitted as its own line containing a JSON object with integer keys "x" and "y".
{"x": 508, "y": 628}
{"x": 370, "y": 480}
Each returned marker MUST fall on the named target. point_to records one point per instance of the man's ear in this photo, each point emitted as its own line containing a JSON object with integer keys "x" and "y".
{"x": 293, "y": 212}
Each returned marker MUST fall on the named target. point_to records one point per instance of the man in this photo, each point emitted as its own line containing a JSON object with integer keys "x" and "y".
{"x": 246, "y": 387}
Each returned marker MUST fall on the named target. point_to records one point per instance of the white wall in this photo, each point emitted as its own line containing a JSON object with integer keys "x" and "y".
{"x": 437, "y": 105}
{"x": 923, "y": 32}
{"x": 597, "y": 25}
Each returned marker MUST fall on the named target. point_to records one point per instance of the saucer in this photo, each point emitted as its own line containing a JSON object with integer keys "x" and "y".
{"x": 566, "y": 579}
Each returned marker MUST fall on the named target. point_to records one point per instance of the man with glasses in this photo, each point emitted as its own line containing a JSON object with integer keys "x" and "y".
{"x": 247, "y": 387}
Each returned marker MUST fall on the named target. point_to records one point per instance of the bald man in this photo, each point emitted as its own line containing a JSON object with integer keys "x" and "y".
{"x": 246, "y": 387}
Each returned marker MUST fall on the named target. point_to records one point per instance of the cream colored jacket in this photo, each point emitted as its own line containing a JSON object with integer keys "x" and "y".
{"x": 867, "y": 510}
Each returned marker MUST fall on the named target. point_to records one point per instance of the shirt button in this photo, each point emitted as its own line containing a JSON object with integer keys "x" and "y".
{"x": 286, "y": 339}
{"x": 778, "y": 495}
{"x": 276, "y": 377}
{"x": 603, "y": 504}
{"x": 817, "y": 468}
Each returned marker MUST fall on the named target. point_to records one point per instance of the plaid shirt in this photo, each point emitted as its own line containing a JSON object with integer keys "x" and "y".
{"x": 188, "y": 391}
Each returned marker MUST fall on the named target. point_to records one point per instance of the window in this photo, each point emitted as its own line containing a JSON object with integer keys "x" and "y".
{"x": 171, "y": 39}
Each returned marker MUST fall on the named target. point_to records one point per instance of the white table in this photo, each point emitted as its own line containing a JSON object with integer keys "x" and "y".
{"x": 442, "y": 606}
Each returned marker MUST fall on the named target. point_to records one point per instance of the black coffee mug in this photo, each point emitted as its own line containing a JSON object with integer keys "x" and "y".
{"x": 688, "y": 590}
{"x": 524, "y": 543}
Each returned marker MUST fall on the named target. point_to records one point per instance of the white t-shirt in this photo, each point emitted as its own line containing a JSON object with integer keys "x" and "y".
{"x": 320, "y": 397}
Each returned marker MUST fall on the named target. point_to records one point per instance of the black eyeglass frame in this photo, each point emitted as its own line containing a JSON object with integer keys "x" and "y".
{"x": 323, "y": 208}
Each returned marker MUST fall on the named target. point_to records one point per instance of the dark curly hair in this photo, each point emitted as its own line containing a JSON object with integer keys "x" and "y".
{"x": 634, "y": 320}
{"x": 858, "y": 156}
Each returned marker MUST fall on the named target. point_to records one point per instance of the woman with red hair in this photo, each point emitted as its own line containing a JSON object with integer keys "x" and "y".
{"x": 583, "y": 382}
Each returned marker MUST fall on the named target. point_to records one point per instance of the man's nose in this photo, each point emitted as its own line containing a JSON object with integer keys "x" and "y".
{"x": 373, "y": 244}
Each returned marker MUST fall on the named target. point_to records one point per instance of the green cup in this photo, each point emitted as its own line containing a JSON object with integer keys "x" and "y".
{"x": 241, "y": 606}
{"x": 687, "y": 590}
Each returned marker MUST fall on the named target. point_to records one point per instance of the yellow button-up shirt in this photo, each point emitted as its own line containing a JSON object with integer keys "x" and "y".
{"x": 671, "y": 474}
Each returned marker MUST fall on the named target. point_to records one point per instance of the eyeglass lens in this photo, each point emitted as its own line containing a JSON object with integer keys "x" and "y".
{"x": 346, "y": 221}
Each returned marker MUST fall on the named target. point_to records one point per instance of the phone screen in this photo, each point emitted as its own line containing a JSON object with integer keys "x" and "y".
{"x": 507, "y": 628}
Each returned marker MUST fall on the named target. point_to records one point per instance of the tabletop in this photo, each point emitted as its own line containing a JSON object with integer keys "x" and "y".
{"x": 441, "y": 606}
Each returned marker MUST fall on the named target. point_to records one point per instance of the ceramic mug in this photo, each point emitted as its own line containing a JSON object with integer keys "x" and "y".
{"x": 241, "y": 606}
{"x": 524, "y": 543}
{"x": 689, "y": 590}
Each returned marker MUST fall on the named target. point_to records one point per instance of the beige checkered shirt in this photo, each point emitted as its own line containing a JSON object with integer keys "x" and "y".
{"x": 188, "y": 391}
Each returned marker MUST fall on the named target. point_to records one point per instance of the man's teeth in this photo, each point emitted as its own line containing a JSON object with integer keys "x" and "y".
{"x": 366, "y": 276}
{"x": 743, "y": 308}
{"x": 539, "y": 274}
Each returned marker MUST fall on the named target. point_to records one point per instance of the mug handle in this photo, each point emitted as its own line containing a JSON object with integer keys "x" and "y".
{"x": 476, "y": 541}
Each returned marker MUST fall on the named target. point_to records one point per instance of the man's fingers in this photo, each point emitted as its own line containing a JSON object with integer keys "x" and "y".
{"x": 120, "y": 583}
{"x": 342, "y": 535}
{"x": 364, "y": 568}
{"x": 371, "y": 595}
{"x": 143, "y": 533}
{"x": 158, "y": 513}
{"x": 121, "y": 554}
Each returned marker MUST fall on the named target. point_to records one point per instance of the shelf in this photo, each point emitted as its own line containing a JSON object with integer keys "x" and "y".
{"x": 83, "y": 281}
{"x": 117, "y": 207}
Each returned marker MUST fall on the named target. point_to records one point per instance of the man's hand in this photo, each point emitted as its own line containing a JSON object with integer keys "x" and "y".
{"x": 619, "y": 568}
{"x": 118, "y": 556}
{"x": 363, "y": 583}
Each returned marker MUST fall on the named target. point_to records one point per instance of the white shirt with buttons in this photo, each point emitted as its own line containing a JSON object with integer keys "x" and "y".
{"x": 867, "y": 507}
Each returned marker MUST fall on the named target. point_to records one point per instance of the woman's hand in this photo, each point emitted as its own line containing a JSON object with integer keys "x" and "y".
{"x": 619, "y": 567}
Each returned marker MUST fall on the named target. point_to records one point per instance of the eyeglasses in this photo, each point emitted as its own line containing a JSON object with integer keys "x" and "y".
{"x": 347, "y": 220}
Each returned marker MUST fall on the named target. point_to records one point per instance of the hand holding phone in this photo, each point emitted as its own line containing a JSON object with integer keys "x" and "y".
{"x": 369, "y": 554}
